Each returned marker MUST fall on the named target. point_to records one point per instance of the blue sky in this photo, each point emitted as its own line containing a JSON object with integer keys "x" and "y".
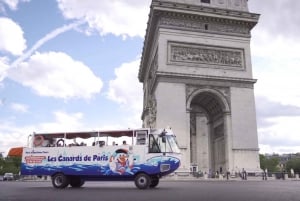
{"x": 69, "y": 65}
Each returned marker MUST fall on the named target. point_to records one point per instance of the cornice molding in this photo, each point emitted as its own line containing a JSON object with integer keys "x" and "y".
{"x": 205, "y": 79}
{"x": 195, "y": 9}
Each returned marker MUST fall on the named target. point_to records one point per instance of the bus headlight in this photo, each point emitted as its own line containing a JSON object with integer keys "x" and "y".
{"x": 164, "y": 167}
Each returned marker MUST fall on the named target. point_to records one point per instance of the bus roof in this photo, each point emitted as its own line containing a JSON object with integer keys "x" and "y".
{"x": 88, "y": 134}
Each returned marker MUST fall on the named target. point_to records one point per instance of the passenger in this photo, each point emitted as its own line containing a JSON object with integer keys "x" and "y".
{"x": 82, "y": 144}
{"x": 101, "y": 143}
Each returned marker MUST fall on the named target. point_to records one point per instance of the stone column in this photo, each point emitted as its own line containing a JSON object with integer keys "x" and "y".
{"x": 228, "y": 142}
{"x": 202, "y": 136}
{"x": 185, "y": 147}
{"x": 193, "y": 138}
{"x": 211, "y": 147}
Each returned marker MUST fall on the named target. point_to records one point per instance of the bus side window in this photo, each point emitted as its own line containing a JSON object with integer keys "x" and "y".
{"x": 141, "y": 138}
{"x": 153, "y": 146}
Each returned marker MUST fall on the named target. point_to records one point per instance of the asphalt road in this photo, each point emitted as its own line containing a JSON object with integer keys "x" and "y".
{"x": 167, "y": 190}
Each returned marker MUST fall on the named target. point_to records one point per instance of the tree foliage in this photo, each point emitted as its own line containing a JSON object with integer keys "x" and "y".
{"x": 293, "y": 163}
{"x": 10, "y": 164}
{"x": 271, "y": 164}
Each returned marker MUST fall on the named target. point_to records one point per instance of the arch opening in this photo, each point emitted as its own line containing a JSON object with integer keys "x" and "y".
{"x": 207, "y": 133}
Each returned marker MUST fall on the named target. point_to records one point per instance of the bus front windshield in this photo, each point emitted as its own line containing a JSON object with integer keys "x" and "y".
{"x": 172, "y": 143}
{"x": 163, "y": 143}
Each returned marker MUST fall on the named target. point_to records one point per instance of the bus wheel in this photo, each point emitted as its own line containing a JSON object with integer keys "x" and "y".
{"x": 154, "y": 182}
{"x": 60, "y": 180}
{"x": 142, "y": 181}
{"x": 76, "y": 182}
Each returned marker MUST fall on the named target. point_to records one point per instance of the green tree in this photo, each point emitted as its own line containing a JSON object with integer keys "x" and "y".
{"x": 10, "y": 164}
{"x": 269, "y": 163}
{"x": 2, "y": 165}
{"x": 293, "y": 163}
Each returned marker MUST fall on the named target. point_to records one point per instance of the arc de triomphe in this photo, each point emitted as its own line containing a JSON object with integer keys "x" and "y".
{"x": 197, "y": 78}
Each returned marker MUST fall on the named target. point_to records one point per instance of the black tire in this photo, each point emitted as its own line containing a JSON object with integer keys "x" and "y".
{"x": 154, "y": 182}
{"x": 76, "y": 182}
{"x": 142, "y": 181}
{"x": 60, "y": 180}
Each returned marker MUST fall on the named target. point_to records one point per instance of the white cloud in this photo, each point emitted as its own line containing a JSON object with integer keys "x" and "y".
{"x": 16, "y": 44}
{"x": 281, "y": 137}
{"x": 63, "y": 122}
{"x": 12, "y": 136}
{"x": 278, "y": 78}
{"x": 46, "y": 38}
{"x": 18, "y": 107}
{"x": 12, "y": 4}
{"x": 269, "y": 149}
{"x": 275, "y": 48}
{"x": 125, "y": 88}
{"x": 17, "y": 136}
{"x": 3, "y": 68}
{"x": 55, "y": 74}
{"x": 118, "y": 17}
{"x": 267, "y": 45}
{"x": 278, "y": 17}
{"x": 11, "y": 37}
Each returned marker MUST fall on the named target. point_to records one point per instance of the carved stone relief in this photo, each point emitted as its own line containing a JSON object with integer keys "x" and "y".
{"x": 202, "y": 54}
{"x": 150, "y": 81}
{"x": 152, "y": 111}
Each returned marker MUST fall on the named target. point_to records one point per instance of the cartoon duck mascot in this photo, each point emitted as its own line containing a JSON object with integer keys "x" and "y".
{"x": 119, "y": 162}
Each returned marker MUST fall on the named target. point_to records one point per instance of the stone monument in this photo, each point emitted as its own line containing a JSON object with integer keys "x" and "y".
{"x": 197, "y": 78}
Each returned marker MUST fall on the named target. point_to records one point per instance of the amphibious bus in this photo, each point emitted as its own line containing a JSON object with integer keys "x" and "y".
{"x": 71, "y": 158}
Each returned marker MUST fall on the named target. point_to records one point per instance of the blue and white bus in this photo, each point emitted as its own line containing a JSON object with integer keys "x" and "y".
{"x": 71, "y": 158}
